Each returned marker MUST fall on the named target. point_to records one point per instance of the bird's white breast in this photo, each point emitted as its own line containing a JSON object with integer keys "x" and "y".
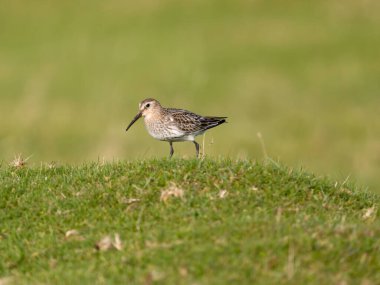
{"x": 166, "y": 130}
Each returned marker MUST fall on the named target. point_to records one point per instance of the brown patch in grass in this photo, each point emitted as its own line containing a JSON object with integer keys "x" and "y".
{"x": 107, "y": 243}
{"x": 172, "y": 192}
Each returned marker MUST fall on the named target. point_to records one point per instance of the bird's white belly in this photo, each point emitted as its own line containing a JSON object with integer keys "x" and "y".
{"x": 167, "y": 132}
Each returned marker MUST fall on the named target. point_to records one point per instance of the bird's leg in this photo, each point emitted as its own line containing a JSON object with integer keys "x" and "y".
{"x": 171, "y": 149}
{"x": 196, "y": 148}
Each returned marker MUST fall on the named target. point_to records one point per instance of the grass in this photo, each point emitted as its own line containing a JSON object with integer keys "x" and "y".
{"x": 230, "y": 222}
{"x": 305, "y": 74}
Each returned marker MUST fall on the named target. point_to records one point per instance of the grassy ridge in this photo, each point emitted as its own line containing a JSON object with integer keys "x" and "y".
{"x": 231, "y": 222}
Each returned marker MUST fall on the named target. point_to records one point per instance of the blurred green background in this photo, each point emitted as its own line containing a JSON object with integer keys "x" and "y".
{"x": 305, "y": 74}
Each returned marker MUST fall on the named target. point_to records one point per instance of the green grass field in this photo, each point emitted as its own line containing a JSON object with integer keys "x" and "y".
{"x": 305, "y": 74}
{"x": 185, "y": 222}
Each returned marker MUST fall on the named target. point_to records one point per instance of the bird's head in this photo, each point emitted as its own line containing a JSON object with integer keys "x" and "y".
{"x": 147, "y": 108}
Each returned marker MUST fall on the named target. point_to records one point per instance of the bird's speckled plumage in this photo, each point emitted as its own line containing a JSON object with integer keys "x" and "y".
{"x": 174, "y": 125}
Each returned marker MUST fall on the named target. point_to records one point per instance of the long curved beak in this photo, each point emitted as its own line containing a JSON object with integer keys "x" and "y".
{"x": 138, "y": 116}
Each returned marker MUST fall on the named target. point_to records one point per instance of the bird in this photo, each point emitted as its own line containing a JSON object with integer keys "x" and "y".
{"x": 174, "y": 125}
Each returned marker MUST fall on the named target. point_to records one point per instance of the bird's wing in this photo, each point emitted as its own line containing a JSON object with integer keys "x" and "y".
{"x": 190, "y": 122}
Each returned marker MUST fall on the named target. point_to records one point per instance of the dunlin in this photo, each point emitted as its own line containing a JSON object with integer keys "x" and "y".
{"x": 174, "y": 125}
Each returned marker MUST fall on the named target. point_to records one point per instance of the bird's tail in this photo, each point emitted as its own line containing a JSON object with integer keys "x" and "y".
{"x": 211, "y": 122}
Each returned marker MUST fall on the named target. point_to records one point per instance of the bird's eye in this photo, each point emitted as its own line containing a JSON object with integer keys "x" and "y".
{"x": 147, "y": 105}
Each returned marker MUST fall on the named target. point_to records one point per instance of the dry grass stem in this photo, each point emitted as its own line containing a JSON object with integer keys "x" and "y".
{"x": 369, "y": 213}
{"x": 223, "y": 194}
{"x": 19, "y": 161}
